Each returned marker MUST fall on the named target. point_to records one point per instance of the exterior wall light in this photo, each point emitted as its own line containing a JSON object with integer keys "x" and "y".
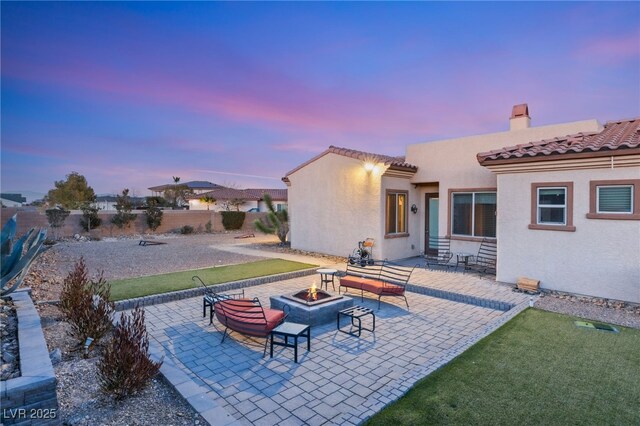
{"x": 369, "y": 166}
{"x": 414, "y": 209}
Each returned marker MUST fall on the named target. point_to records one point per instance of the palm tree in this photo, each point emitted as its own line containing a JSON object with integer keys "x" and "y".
{"x": 208, "y": 200}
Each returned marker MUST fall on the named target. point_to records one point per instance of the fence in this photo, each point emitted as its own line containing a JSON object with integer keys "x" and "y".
{"x": 172, "y": 220}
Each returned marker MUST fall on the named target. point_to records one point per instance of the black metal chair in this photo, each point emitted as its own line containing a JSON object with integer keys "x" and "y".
{"x": 210, "y": 298}
{"x": 440, "y": 254}
{"x": 485, "y": 261}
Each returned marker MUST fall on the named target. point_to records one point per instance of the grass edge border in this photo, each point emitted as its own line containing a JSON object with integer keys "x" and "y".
{"x": 154, "y": 299}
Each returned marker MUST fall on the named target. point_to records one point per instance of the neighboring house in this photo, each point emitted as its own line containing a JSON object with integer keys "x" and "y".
{"x": 253, "y": 199}
{"x": 108, "y": 202}
{"x": 223, "y": 197}
{"x": 343, "y": 196}
{"x": 197, "y": 186}
{"x": 12, "y": 200}
{"x": 278, "y": 198}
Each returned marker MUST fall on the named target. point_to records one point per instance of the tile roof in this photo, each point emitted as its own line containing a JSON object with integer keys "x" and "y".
{"x": 396, "y": 163}
{"x": 194, "y": 184}
{"x": 616, "y": 136}
{"x": 17, "y": 198}
{"x": 223, "y": 193}
{"x": 276, "y": 194}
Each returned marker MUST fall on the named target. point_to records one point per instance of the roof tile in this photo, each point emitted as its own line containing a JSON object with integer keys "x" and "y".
{"x": 616, "y": 135}
{"x": 393, "y": 162}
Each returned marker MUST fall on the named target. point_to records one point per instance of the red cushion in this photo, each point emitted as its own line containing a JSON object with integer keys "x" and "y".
{"x": 392, "y": 289}
{"x": 247, "y": 317}
{"x": 352, "y": 281}
{"x": 372, "y": 286}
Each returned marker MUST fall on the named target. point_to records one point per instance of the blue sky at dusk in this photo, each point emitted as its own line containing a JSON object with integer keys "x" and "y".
{"x": 131, "y": 94}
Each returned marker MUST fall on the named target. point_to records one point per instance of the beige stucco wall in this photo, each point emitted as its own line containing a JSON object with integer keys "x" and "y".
{"x": 601, "y": 258}
{"x": 453, "y": 164}
{"x": 333, "y": 204}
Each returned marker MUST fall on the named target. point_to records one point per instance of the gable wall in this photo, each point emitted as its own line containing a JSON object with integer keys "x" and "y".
{"x": 334, "y": 203}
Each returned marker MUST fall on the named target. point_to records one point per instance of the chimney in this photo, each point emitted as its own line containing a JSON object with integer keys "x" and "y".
{"x": 520, "y": 117}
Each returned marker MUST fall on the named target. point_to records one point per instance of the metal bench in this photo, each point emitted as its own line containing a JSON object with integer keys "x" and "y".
{"x": 485, "y": 261}
{"x": 382, "y": 278}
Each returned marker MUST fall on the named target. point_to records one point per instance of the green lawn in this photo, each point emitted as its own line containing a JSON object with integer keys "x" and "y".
{"x": 537, "y": 369}
{"x": 156, "y": 284}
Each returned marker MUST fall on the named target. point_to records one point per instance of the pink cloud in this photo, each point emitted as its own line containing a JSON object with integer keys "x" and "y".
{"x": 611, "y": 50}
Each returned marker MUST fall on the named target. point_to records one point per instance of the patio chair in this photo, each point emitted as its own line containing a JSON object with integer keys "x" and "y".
{"x": 485, "y": 261}
{"x": 210, "y": 298}
{"x": 248, "y": 317}
{"x": 441, "y": 252}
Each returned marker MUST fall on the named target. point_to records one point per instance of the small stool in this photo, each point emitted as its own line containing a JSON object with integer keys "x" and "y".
{"x": 356, "y": 313}
{"x": 291, "y": 329}
{"x": 326, "y": 277}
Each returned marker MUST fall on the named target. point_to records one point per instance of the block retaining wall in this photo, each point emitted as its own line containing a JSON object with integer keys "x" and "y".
{"x": 31, "y": 398}
{"x": 172, "y": 220}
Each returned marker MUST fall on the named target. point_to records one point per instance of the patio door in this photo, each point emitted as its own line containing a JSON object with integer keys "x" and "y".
{"x": 431, "y": 210}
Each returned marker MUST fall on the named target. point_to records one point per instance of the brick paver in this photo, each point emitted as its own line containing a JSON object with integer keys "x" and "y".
{"x": 344, "y": 379}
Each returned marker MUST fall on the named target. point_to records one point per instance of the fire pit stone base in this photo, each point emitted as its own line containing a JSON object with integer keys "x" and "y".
{"x": 312, "y": 315}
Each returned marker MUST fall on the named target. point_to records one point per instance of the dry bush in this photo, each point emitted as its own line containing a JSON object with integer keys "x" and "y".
{"x": 125, "y": 366}
{"x": 85, "y": 304}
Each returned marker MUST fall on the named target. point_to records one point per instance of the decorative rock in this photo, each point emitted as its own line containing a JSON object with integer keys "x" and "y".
{"x": 8, "y": 357}
{"x": 56, "y": 356}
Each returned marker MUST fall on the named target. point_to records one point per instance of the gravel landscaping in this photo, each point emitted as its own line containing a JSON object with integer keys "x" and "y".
{"x": 81, "y": 401}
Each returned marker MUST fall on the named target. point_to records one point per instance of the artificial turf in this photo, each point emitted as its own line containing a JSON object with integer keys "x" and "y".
{"x": 538, "y": 369}
{"x": 157, "y": 284}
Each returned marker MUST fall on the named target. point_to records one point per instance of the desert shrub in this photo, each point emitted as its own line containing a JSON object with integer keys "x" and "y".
{"x": 123, "y": 217}
{"x": 85, "y": 304}
{"x": 208, "y": 227}
{"x": 90, "y": 219}
{"x": 186, "y": 229}
{"x": 56, "y": 217}
{"x": 125, "y": 366}
{"x": 232, "y": 220}
{"x": 154, "y": 216}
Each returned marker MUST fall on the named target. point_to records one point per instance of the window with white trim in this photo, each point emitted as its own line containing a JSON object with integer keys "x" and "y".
{"x": 473, "y": 214}
{"x": 552, "y": 206}
{"x": 396, "y": 212}
{"x": 616, "y": 199}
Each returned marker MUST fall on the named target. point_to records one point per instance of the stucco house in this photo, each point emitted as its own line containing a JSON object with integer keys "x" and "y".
{"x": 440, "y": 188}
{"x": 252, "y": 199}
{"x": 278, "y": 197}
{"x": 197, "y": 186}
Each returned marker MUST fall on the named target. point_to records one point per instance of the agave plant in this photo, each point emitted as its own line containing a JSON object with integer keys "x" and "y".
{"x": 17, "y": 256}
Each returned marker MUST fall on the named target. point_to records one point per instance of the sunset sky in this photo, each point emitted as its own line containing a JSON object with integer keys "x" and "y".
{"x": 131, "y": 94}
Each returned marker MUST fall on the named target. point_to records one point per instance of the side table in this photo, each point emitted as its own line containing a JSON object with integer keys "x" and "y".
{"x": 463, "y": 258}
{"x": 326, "y": 277}
{"x": 356, "y": 313}
{"x": 291, "y": 329}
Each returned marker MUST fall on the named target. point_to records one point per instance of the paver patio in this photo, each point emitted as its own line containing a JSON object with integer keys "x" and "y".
{"x": 344, "y": 379}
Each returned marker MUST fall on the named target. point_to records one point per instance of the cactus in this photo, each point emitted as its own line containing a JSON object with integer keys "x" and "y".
{"x": 18, "y": 256}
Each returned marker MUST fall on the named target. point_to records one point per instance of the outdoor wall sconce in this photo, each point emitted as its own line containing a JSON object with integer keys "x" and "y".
{"x": 414, "y": 209}
{"x": 369, "y": 166}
